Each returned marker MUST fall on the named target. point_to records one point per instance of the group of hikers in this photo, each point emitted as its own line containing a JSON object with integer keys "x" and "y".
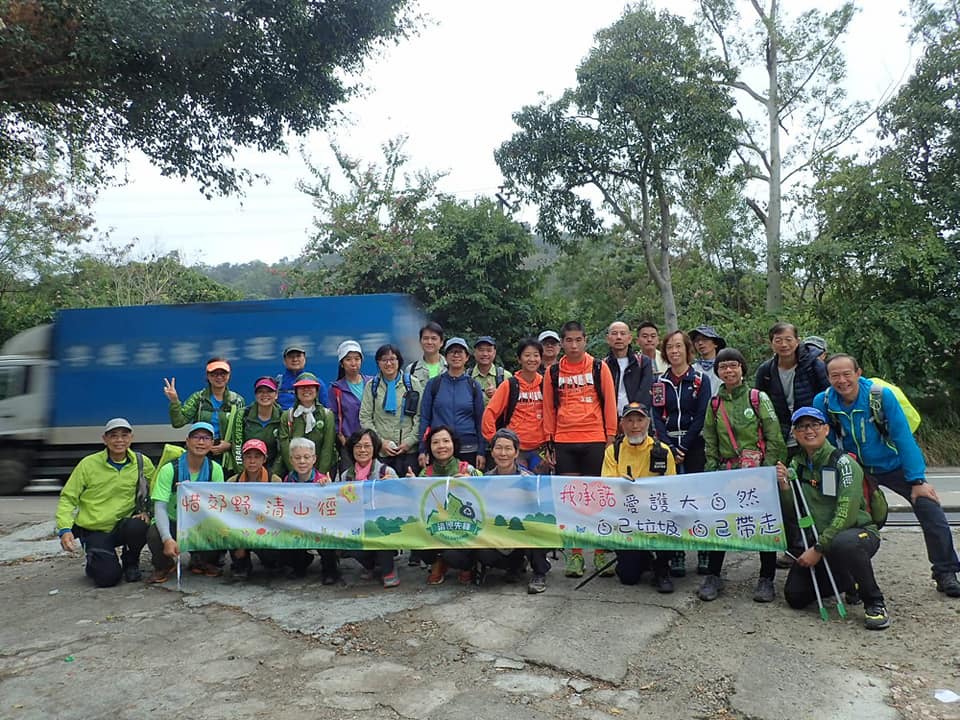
{"x": 681, "y": 403}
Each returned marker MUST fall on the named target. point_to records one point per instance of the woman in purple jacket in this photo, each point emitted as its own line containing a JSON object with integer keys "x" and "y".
{"x": 345, "y": 394}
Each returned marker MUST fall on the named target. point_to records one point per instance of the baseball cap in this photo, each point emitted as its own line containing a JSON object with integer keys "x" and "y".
{"x": 485, "y": 339}
{"x": 265, "y": 381}
{"x": 117, "y": 423}
{"x": 293, "y": 348}
{"x": 218, "y": 365}
{"x": 708, "y": 331}
{"x": 815, "y": 341}
{"x": 254, "y": 444}
{"x": 548, "y": 335}
{"x": 306, "y": 378}
{"x": 635, "y": 408}
{"x": 200, "y": 426}
{"x": 348, "y": 346}
{"x": 455, "y": 341}
{"x": 803, "y": 412}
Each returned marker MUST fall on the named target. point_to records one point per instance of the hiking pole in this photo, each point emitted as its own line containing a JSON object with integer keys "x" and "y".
{"x": 610, "y": 564}
{"x": 805, "y": 522}
{"x": 597, "y": 572}
{"x": 841, "y": 608}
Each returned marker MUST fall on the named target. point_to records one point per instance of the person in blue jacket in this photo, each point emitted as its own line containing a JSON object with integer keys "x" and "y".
{"x": 890, "y": 454}
{"x": 294, "y": 364}
{"x": 455, "y": 399}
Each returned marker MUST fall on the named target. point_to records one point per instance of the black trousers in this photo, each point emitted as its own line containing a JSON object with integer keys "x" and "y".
{"x": 849, "y": 556}
{"x": 580, "y": 458}
{"x": 130, "y": 533}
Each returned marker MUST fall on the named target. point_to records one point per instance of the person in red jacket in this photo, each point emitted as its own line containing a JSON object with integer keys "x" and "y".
{"x": 579, "y": 417}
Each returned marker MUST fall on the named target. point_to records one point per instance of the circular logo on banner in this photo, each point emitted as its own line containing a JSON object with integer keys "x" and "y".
{"x": 452, "y": 510}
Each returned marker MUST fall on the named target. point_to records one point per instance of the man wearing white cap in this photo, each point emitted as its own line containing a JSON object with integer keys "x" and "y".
{"x": 551, "y": 349}
{"x": 110, "y": 495}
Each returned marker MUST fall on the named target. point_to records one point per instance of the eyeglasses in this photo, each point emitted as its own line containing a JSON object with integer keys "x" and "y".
{"x": 390, "y": 359}
{"x": 202, "y": 438}
{"x": 363, "y": 446}
{"x": 804, "y": 427}
{"x": 728, "y": 365}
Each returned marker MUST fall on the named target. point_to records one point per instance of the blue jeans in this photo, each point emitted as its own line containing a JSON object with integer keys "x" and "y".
{"x": 936, "y": 531}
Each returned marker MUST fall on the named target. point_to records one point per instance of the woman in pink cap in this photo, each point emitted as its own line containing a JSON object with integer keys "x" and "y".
{"x": 262, "y": 419}
{"x": 254, "y": 454}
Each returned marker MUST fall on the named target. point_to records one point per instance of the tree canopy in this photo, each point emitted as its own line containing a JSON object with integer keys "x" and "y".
{"x": 184, "y": 81}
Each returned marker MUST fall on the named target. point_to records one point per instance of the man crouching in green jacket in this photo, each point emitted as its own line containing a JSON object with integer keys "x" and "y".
{"x": 108, "y": 492}
{"x": 832, "y": 484}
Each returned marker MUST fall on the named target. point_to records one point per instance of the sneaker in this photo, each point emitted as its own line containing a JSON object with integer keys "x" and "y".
{"x": 366, "y": 574}
{"x": 947, "y": 583}
{"x": 601, "y": 558}
{"x": 784, "y": 561}
{"x": 512, "y": 576}
{"x": 132, "y": 573}
{"x": 875, "y": 617}
{"x": 211, "y": 570}
{"x": 465, "y": 577}
{"x": 709, "y": 588}
{"x": 765, "y": 592}
{"x": 703, "y": 563}
{"x": 537, "y": 584}
{"x": 242, "y": 568}
{"x": 413, "y": 560}
{"x": 678, "y": 564}
{"x": 663, "y": 585}
{"x": 438, "y": 573}
{"x": 391, "y": 580}
{"x": 329, "y": 575}
{"x": 575, "y": 564}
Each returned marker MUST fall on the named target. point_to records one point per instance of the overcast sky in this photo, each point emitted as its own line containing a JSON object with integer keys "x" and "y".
{"x": 452, "y": 90}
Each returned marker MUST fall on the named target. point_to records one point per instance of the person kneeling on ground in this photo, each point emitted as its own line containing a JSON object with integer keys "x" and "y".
{"x": 364, "y": 447}
{"x": 110, "y": 495}
{"x": 832, "y": 483}
{"x": 639, "y": 455}
{"x": 194, "y": 466}
{"x": 505, "y": 450}
{"x": 254, "y": 454}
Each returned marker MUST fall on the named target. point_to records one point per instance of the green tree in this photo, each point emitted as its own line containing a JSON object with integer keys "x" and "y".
{"x": 516, "y": 524}
{"x": 185, "y": 82}
{"x": 644, "y": 120}
{"x": 464, "y": 262}
{"x": 802, "y": 92}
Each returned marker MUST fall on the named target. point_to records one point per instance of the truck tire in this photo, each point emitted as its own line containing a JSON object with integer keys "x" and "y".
{"x": 14, "y": 473}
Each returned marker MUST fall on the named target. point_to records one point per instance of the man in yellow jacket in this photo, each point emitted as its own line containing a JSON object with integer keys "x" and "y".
{"x": 105, "y": 505}
{"x": 639, "y": 455}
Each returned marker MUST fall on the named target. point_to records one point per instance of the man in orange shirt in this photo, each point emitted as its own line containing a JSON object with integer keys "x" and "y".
{"x": 579, "y": 416}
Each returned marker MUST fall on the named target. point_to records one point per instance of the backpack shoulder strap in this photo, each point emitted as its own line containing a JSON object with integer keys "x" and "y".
{"x": 598, "y": 380}
{"x": 407, "y": 383}
{"x": 498, "y": 376}
{"x": 554, "y": 372}
{"x": 435, "y": 387}
{"x": 616, "y": 450}
{"x": 513, "y": 396}
{"x": 375, "y": 385}
{"x": 876, "y": 410}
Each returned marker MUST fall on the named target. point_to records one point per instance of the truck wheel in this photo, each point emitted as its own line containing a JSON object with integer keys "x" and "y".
{"x": 14, "y": 473}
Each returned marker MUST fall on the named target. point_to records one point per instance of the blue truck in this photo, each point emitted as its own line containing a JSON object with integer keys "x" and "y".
{"x": 60, "y": 383}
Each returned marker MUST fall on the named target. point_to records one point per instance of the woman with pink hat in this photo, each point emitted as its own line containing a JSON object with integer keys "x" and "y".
{"x": 307, "y": 419}
{"x": 261, "y": 420}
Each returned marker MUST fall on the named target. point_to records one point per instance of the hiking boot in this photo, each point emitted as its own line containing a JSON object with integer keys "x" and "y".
{"x": 703, "y": 562}
{"x": 678, "y": 564}
{"x": 784, "y": 561}
{"x": 947, "y": 583}
{"x": 161, "y": 576}
{"x": 438, "y": 572}
{"x": 709, "y": 588}
{"x": 574, "y": 566}
{"x": 391, "y": 580}
{"x": 765, "y": 592}
{"x": 601, "y": 558}
{"x": 875, "y": 617}
{"x": 663, "y": 584}
{"x": 537, "y": 584}
{"x": 132, "y": 573}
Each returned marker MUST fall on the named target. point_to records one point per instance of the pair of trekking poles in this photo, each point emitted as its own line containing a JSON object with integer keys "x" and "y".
{"x": 805, "y": 520}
